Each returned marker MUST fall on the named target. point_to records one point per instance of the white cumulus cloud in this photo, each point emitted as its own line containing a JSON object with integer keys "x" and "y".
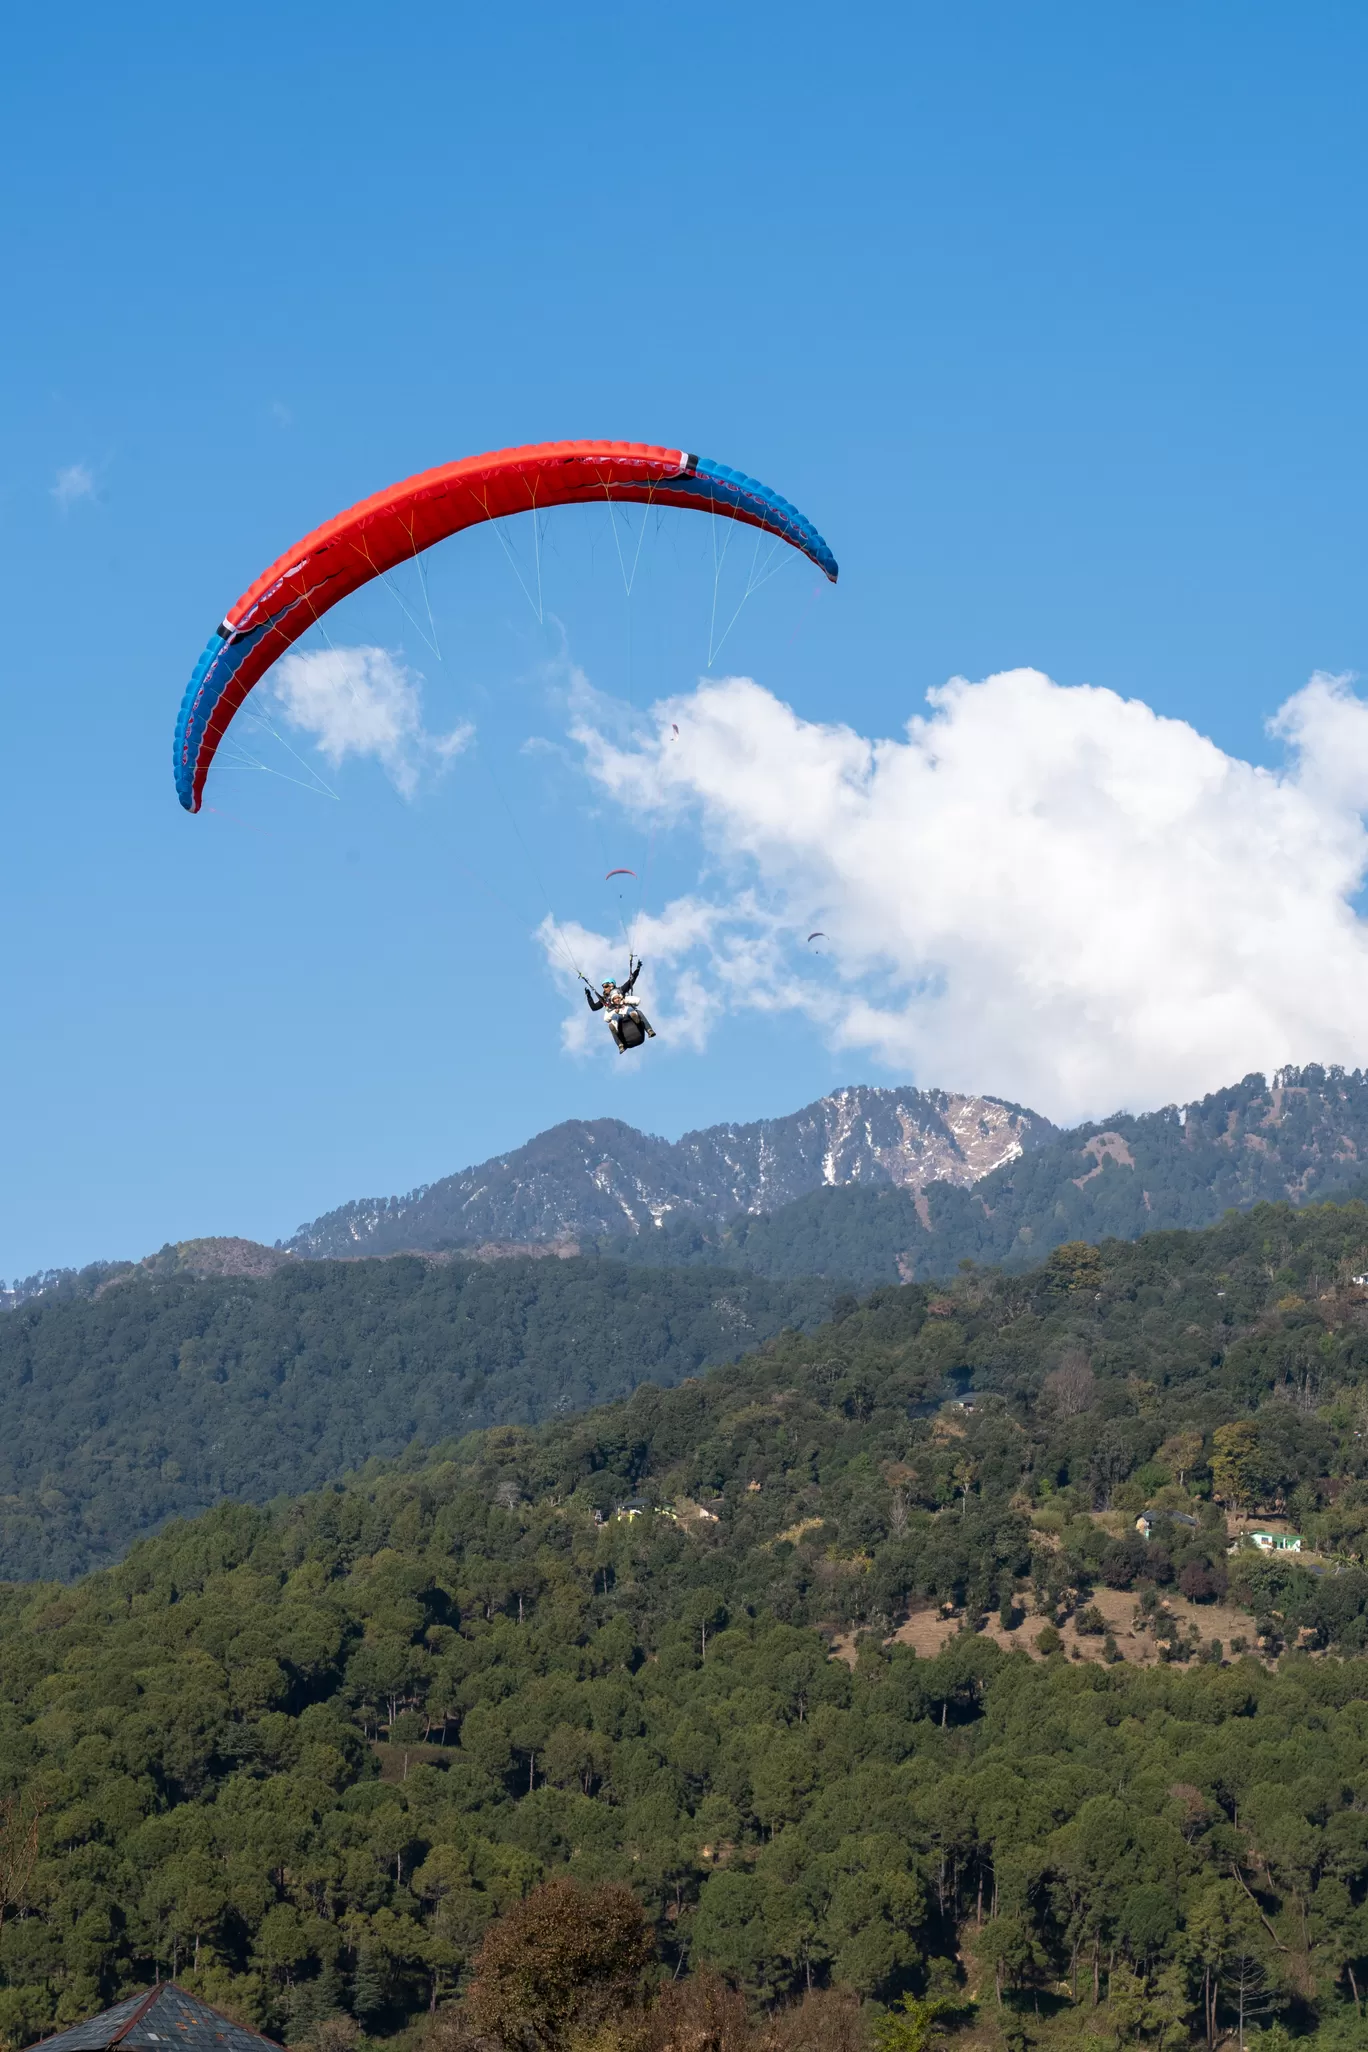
{"x": 1047, "y": 892}
{"x": 363, "y": 701}
{"x": 73, "y": 482}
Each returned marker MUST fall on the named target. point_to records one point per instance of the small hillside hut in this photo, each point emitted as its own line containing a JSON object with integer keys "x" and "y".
{"x": 158, "y": 2020}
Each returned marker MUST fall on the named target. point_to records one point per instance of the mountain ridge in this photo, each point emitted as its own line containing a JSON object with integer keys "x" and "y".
{"x": 881, "y": 1185}
{"x": 601, "y": 1178}
{"x": 864, "y": 1187}
{"x": 1301, "y": 1138}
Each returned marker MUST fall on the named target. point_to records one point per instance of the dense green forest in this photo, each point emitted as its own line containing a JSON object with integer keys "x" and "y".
{"x": 1303, "y": 1136}
{"x": 305, "y": 1756}
{"x": 152, "y": 1393}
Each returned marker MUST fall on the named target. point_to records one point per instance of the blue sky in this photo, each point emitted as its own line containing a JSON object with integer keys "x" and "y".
{"x": 1052, "y": 321}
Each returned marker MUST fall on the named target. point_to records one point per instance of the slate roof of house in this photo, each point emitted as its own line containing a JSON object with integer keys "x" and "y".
{"x": 156, "y": 2020}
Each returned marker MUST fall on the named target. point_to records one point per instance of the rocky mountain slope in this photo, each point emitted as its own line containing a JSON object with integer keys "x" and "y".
{"x": 866, "y": 1186}
{"x": 1301, "y": 1137}
{"x": 884, "y": 1185}
{"x": 593, "y": 1179}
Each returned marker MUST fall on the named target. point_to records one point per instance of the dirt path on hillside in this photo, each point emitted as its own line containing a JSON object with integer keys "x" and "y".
{"x": 928, "y": 1632}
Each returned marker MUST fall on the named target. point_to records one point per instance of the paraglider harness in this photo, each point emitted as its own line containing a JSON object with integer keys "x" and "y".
{"x": 627, "y": 1022}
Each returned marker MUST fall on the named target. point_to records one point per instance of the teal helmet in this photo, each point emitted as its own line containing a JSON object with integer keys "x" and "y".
{"x": 609, "y": 984}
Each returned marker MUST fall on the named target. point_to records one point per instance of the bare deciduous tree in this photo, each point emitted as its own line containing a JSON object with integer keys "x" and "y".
{"x": 1071, "y": 1388}
{"x": 18, "y": 1850}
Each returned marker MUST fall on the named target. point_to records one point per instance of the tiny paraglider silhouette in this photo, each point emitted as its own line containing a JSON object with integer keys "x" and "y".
{"x": 819, "y": 935}
{"x": 627, "y": 1022}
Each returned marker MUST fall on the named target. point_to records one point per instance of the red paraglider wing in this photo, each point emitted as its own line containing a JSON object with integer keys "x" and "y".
{"x": 382, "y": 531}
{"x": 618, "y": 872}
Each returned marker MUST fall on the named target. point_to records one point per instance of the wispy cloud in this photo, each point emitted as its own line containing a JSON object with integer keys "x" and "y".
{"x": 75, "y": 481}
{"x": 1050, "y": 892}
{"x": 364, "y": 702}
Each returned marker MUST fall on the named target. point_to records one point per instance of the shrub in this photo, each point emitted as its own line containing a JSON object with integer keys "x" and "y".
{"x": 701, "y": 2014}
{"x": 335, "y": 2033}
{"x": 564, "y": 1957}
{"x": 827, "y": 2020}
{"x": 1122, "y": 1562}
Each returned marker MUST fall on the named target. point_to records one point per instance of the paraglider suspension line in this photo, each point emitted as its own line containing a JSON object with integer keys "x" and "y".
{"x": 755, "y": 577}
{"x": 414, "y": 622}
{"x": 627, "y": 581}
{"x": 423, "y": 587}
{"x": 246, "y": 761}
{"x": 497, "y": 525}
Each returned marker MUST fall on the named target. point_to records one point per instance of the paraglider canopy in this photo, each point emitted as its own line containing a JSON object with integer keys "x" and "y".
{"x": 618, "y": 872}
{"x": 380, "y": 532}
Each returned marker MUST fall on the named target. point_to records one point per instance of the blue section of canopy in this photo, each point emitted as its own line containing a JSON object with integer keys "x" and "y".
{"x": 213, "y": 673}
{"x": 202, "y": 694}
{"x": 733, "y": 488}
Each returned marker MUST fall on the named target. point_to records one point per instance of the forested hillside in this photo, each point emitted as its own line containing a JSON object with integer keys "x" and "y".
{"x": 146, "y": 1393}
{"x": 302, "y": 1756}
{"x": 160, "y": 1393}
